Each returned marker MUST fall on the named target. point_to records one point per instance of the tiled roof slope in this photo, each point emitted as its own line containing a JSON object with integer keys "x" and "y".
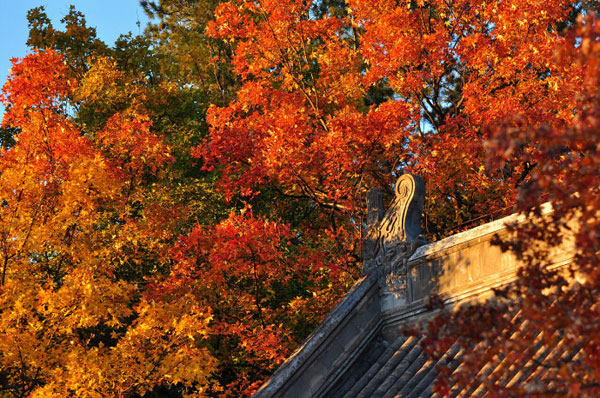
{"x": 360, "y": 351}
{"x": 403, "y": 370}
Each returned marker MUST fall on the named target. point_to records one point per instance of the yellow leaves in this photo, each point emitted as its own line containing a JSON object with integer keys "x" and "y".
{"x": 74, "y": 235}
{"x": 410, "y": 3}
{"x": 153, "y": 350}
{"x": 105, "y": 85}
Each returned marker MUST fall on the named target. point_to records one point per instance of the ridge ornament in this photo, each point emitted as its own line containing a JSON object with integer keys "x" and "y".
{"x": 392, "y": 237}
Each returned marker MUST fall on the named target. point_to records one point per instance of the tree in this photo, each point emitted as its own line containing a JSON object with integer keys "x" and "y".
{"x": 126, "y": 114}
{"x": 189, "y": 241}
{"x": 190, "y": 56}
{"x": 449, "y": 75}
{"x": 336, "y": 100}
{"x": 546, "y": 323}
{"x": 73, "y": 319}
{"x": 245, "y": 267}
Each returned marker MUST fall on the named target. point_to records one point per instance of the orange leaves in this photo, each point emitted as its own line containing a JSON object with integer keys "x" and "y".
{"x": 556, "y": 148}
{"x": 401, "y": 44}
{"x": 240, "y": 247}
{"x": 246, "y": 269}
{"x": 53, "y": 180}
{"x": 270, "y": 135}
{"x": 127, "y": 140}
{"x": 232, "y": 20}
{"x": 37, "y": 81}
{"x": 339, "y": 71}
{"x": 79, "y": 232}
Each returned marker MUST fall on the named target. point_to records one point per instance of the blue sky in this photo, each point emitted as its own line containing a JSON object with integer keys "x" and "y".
{"x": 110, "y": 18}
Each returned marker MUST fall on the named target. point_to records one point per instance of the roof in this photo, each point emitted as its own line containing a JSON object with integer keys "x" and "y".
{"x": 360, "y": 349}
{"x": 402, "y": 369}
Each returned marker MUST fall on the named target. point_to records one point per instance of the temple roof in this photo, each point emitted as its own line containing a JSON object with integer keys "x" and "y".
{"x": 362, "y": 350}
{"x": 401, "y": 369}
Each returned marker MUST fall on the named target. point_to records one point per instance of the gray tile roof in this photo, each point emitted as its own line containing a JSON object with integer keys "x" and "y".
{"x": 359, "y": 351}
{"x": 404, "y": 370}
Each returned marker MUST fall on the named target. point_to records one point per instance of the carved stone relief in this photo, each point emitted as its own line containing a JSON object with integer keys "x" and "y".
{"x": 391, "y": 238}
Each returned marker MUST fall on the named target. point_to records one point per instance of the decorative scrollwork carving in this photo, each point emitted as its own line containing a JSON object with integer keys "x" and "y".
{"x": 391, "y": 240}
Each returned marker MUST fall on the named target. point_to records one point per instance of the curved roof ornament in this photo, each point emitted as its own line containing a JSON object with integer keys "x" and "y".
{"x": 393, "y": 236}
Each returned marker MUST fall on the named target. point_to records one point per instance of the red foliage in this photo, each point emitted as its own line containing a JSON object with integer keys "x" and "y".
{"x": 546, "y": 308}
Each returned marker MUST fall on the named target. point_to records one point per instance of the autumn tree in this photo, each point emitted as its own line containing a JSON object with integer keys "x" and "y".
{"x": 74, "y": 222}
{"x": 227, "y": 231}
{"x": 308, "y": 125}
{"x": 245, "y": 323}
{"x": 546, "y": 323}
{"x": 339, "y": 97}
{"x": 202, "y": 63}
{"x": 188, "y": 55}
{"x": 443, "y": 70}
{"x": 135, "y": 74}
